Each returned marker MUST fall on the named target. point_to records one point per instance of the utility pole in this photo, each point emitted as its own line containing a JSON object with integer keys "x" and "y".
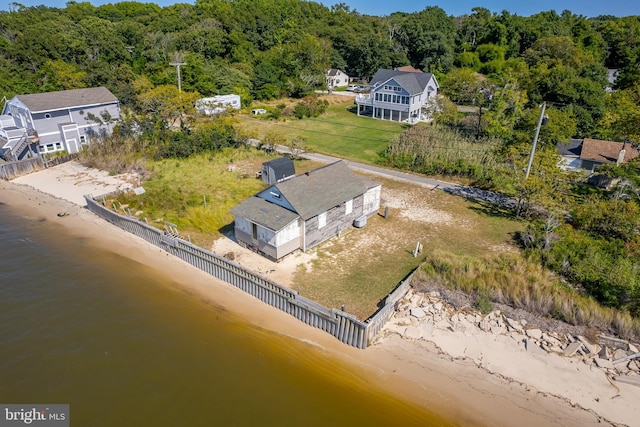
{"x": 535, "y": 140}
{"x": 178, "y": 65}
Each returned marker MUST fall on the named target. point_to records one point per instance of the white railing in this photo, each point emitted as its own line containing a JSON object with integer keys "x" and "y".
{"x": 364, "y": 99}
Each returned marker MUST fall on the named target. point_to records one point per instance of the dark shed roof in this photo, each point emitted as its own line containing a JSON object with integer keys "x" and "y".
{"x": 283, "y": 167}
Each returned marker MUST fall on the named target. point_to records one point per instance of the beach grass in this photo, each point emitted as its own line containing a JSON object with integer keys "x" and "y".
{"x": 510, "y": 279}
{"x": 197, "y": 193}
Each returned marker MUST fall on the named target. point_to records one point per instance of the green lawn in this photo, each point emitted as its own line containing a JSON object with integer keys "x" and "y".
{"x": 339, "y": 131}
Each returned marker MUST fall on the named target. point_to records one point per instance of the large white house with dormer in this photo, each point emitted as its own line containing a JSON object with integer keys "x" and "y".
{"x": 398, "y": 95}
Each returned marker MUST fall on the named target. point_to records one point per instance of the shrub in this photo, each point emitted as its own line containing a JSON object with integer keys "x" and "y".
{"x": 483, "y": 304}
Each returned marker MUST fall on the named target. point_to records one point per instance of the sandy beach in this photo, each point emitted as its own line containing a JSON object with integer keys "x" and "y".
{"x": 471, "y": 377}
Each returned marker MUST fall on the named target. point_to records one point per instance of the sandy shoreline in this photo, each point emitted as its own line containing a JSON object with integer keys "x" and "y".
{"x": 511, "y": 387}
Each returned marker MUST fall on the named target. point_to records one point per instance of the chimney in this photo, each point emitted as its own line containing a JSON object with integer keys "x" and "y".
{"x": 621, "y": 155}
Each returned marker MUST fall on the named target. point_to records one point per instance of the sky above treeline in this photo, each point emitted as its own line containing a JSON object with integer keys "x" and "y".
{"x": 588, "y": 8}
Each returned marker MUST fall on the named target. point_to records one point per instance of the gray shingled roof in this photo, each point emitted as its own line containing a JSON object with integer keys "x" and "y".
{"x": 264, "y": 213}
{"x": 414, "y": 83}
{"x": 50, "y": 101}
{"x": 321, "y": 189}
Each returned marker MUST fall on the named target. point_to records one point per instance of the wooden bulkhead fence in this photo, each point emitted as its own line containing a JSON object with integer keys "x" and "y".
{"x": 12, "y": 170}
{"x": 344, "y": 326}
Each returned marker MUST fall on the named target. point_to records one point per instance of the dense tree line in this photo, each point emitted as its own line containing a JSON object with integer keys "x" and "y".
{"x": 260, "y": 49}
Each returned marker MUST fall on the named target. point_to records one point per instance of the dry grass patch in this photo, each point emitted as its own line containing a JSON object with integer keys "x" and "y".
{"x": 359, "y": 268}
{"x": 197, "y": 193}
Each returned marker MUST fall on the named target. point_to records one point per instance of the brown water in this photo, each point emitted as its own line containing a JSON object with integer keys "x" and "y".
{"x": 126, "y": 347}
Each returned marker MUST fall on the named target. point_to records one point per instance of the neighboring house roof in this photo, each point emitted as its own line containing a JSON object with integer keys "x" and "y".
{"x": 573, "y": 148}
{"x": 409, "y": 69}
{"x": 49, "y": 101}
{"x": 283, "y": 167}
{"x": 414, "y": 83}
{"x": 319, "y": 190}
{"x": 265, "y": 213}
{"x": 7, "y": 122}
{"x": 606, "y": 151}
{"x": 333, "y": 72}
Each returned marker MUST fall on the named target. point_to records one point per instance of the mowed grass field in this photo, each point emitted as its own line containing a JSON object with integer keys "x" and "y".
{"x": 338, "y": 132}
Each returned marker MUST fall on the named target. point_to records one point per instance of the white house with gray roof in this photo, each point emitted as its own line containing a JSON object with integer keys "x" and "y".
{"x": 306, "y": 210}
{"x": 402, "y": 96}
{"x": 56, "y": 121}
{"x": 336, "y": 78}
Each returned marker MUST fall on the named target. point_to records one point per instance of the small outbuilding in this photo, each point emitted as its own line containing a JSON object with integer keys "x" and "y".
{"x": 278, "y": 170}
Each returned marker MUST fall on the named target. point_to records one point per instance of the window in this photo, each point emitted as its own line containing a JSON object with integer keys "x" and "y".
{"x": 348, "y": 207}
{"x": 59, "y": 146}
{"x": 322, "y": 220}
{"x": 83, "y": 139}
{"x": 47, "y": 116}
{"x": 254, "y": 230}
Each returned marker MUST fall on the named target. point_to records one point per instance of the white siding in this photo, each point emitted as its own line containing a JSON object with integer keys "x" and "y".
{"x": 287, "y": 234}
{"x": 243, "y": 225}
{"x": 371, "y": 201}
{"x": 266, "y": 235}
{"x": 348, "y": 207}
{"x": 322, "y": 220}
